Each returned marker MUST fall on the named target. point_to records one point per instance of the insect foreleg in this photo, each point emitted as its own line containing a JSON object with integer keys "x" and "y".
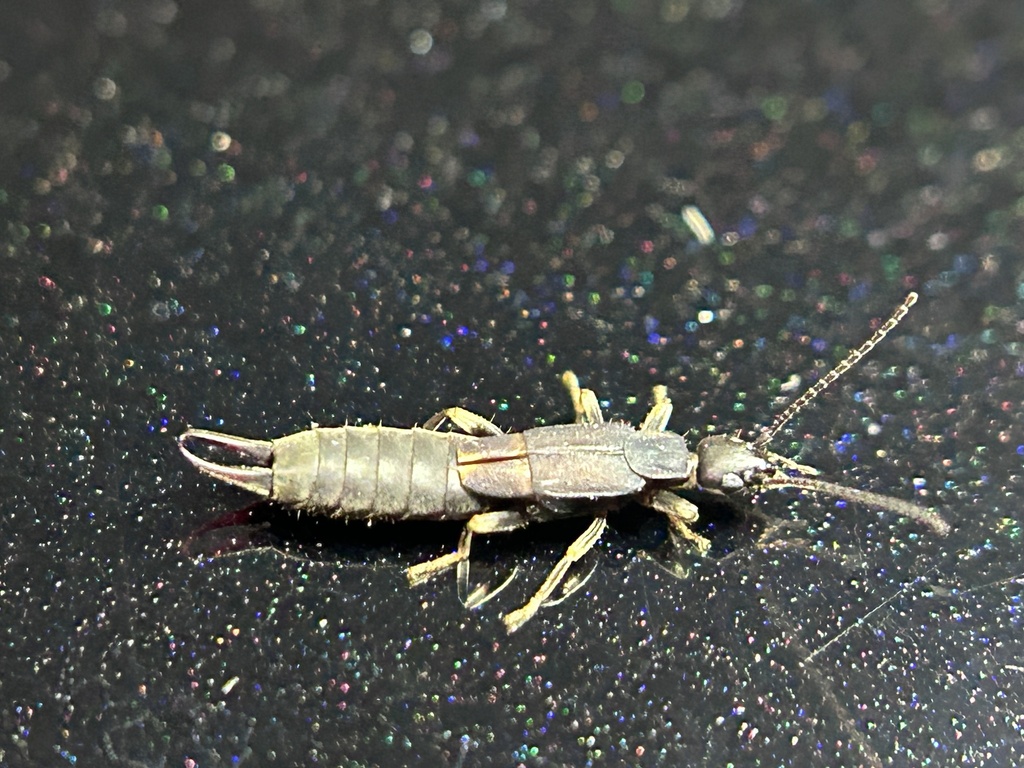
{"x": 484, "y": 523}
{"x": 788, "y": 463}
{"x": 577, "y": 549}
{"x": 657, "y": 418}
{"x": 680, "y": 514}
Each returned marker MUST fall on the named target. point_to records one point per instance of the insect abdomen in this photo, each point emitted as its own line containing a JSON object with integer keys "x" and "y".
{"x": 367, "y": 472}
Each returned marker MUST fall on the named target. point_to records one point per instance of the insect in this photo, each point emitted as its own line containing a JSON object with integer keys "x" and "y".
{"x": 500, "y": 482}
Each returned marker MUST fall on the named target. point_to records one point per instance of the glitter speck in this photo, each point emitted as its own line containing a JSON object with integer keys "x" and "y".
{"x": 420, "y": 42}
{"x": 104, "y": 88}
{"x": 698, "y": 224}
{"x": 633, "y": 92}
{"x": 220, "y": 141}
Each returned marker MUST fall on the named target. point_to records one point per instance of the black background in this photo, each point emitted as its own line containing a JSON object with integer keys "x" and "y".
{"x": 255, "y": 216}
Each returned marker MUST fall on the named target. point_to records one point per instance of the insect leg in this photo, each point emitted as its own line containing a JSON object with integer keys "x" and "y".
{"x": 583, "y": 544}
{"x": 584, "y": 401}
{"x": 483, "y": 593}
{"x": 571, "y": 586}
{"x": 484, "y": 523}
{"x": 680, "y": 514}
{"x": 788, "y": 463}
{"x": 467, "y": 421}
{"x": 661, "y": 411}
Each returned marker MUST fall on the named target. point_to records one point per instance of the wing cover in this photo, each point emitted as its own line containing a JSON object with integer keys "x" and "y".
{"x": 566, "y": 461}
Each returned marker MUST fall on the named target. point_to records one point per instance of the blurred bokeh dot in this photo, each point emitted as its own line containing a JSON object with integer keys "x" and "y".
{"x": 221, "y": 50}
{"x": 420, "y": 42}
{"x": 104, "y": 88}
{"x": 220, "y": 141}
{"x": 633, "y": 92}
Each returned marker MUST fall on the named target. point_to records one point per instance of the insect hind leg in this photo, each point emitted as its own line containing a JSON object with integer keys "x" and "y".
{"x": 467, "y": 421}
{"x": 583, "y": 544}
{"x": 483, "y": 523}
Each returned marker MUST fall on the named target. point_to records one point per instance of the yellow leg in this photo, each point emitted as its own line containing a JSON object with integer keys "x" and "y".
{"x": 467, "y": 421}
{"x": 680, "y": 514}
{"x": 484, "y": 523}
{"x": 583, "y": 544}
{"x": 661, "y": 411}
{"x": 584, "y": 401}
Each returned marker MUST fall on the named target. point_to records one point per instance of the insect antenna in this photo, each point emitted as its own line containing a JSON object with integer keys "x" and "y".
{"x": 898, "y": 506}
{"x": 844, "y": 365}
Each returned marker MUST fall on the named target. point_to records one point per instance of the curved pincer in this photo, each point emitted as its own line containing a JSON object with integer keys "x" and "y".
{"x": 257, "y": 478}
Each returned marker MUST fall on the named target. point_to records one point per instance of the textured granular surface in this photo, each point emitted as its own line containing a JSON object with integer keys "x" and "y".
{"x": 252, "y": 217}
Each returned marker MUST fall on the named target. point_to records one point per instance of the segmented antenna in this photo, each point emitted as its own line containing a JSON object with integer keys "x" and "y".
{"x": 846, "y": 364}
{"x": 898, "y": 506}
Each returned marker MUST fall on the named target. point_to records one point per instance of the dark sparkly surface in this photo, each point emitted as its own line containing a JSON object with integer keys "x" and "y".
{"x": 251, "y": 217}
